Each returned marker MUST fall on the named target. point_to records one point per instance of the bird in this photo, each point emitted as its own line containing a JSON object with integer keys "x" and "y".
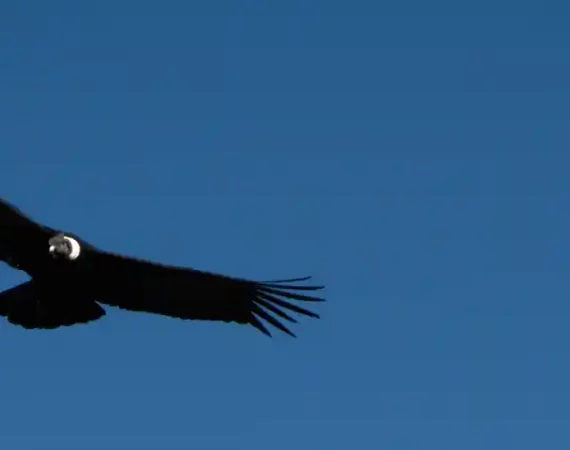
{"x": 71, "y": 281}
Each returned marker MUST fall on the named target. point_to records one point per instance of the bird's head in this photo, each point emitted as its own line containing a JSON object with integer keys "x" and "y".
{"x": 62, "y": 246}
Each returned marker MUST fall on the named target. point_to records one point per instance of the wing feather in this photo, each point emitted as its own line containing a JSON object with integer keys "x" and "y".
{"x": 185, "y": 293}
{"x": 20, "y": 236}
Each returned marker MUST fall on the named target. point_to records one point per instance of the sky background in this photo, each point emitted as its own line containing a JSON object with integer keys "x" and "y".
{"x": 412, "y": 156}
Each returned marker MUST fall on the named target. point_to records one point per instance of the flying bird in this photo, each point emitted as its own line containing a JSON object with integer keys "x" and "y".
{"x": 71, "y": 279}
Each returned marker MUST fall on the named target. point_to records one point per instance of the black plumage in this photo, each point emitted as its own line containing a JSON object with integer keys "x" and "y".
{"x": 71, "y": 278}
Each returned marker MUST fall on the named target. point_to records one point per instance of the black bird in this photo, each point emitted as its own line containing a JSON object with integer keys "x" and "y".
{"x": 70, "y": 278}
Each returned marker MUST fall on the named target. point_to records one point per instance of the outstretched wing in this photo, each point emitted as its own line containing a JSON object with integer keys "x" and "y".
{"x": 20, "y": 236}
{"x": 139, "y": 285}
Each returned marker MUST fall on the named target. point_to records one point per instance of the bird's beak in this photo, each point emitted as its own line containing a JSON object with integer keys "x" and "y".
{"x": 52, "y": 248}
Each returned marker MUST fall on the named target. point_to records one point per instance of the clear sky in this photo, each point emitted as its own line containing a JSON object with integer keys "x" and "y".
{"x": 413, "y": 158}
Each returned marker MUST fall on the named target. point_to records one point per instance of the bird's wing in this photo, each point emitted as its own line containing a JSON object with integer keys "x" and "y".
{"x": 140, "y": 285}
{"x": 18, "y": 233}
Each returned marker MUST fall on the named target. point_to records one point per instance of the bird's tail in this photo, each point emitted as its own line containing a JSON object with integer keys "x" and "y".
{"x": 30, "y": 306}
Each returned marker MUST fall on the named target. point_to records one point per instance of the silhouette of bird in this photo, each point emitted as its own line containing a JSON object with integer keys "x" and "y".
{"x": 70, "y": 279}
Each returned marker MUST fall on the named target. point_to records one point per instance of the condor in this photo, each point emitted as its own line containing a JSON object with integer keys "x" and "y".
{"x": 70, "y": 279}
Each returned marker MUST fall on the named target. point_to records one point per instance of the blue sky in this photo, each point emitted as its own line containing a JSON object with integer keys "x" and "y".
{"x": 413, "y": 158}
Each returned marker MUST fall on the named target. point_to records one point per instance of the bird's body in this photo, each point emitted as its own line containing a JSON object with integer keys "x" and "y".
{"x": 70, "y": 278}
